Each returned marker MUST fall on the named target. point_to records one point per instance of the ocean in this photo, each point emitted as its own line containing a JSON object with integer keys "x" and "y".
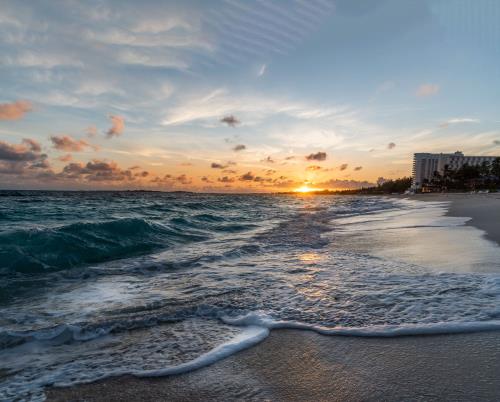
{"x": 99, "y": 284}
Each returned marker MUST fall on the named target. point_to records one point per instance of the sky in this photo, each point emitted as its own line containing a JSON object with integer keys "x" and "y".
{"x": 242, "y": 96}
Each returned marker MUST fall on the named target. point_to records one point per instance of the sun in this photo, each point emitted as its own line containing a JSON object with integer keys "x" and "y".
{"x": 304, "y": 189}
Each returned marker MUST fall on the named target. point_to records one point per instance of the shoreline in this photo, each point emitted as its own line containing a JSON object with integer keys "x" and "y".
{"x": 293, "y": 365}
{"x": 483, "y": 209}
{"x": 297, "y": 365}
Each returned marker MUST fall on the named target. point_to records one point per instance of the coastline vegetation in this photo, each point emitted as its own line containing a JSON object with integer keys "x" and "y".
{"x": 468, "y": 178}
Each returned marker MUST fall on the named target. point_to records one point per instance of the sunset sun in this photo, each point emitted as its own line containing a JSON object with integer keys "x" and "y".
{"x": 304, "y": 189}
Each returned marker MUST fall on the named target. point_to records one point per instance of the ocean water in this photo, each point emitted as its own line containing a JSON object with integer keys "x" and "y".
{"x": 108, "y": 283}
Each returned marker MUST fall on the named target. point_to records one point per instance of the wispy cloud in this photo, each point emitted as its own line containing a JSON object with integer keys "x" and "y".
{"x": 195, "y": 108}
{"x": 459, "y": 120}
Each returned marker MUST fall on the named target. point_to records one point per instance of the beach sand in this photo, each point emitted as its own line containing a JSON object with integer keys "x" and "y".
{"x": 293, "y": 365}
{"x": 484, "y": 209}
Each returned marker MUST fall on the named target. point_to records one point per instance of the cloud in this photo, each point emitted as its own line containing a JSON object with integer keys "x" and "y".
{"x": 459, "y": 120}
{"x": 226, "y": 179}
{"x": 496, "y": 142}
{"x": 152, "y": 58}
{"x": 247, "y": 177}
{"x": 260, "y": 179}
{"x": 19, "y": 153}
{"x": 19, "y": 158}
{"x": 427, "y": 90}
{"x": 318, "y": 156}
{"x": 215, "y": 165}
{"x": 117, "y": 126}
{"x": 230, "y": 120}
{"x": 65, "y": 158}
{"x": 239, "y": 147}
{"x": 15, "y": 110}
{"x": 344, "y": 166}
{"x": 170, "y": 180}
{"x": 358, "y": 168}
{"x": 183, "y": 179}
{"x": 219, "y": 102}
{"x": 289, "y": 158}
{"x": 270, "y": 172}
{"x": 47, "y": 60}
{"x": 262, "y": 70}
{"x": 32, "y": 144}
{"x": 69, "y": 144}
{"x": 313, "y": 168}
{"x": 268, "y": 160}
{"x": 167, "y": 179}
{"x": 96, "y": 170}
{"x": 391, "y": 145}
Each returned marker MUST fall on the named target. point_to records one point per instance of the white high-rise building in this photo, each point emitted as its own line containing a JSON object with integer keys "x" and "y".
{"x": 425, "y": 164}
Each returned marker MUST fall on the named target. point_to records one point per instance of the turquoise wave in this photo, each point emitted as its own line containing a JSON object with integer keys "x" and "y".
{"x": 36, "y": 250}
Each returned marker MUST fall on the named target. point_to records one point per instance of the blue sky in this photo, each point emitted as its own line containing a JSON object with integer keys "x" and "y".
{"x": 157, "y": 94}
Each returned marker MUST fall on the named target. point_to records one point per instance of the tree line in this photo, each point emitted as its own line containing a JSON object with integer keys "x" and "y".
{"x": 469, "y": 178}
{"x": 398, "y": 186}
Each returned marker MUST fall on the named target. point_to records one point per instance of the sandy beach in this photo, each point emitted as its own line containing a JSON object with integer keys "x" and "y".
{"x": 484, "y": 209}
{"x": 293, "y": 365}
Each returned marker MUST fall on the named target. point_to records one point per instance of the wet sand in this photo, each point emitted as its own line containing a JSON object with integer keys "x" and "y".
{"x": 293, "y": 365}
{"x": 484, "y": 209}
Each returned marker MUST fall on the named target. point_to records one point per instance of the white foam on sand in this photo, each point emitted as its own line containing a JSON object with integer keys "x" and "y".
{"x": 257, "y": 319}
{"x": 249, "y": 337}
{"x": 68, "y": 375}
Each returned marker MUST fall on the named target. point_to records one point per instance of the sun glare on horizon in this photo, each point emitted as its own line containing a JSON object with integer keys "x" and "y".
{"x": 304, "y": 189}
